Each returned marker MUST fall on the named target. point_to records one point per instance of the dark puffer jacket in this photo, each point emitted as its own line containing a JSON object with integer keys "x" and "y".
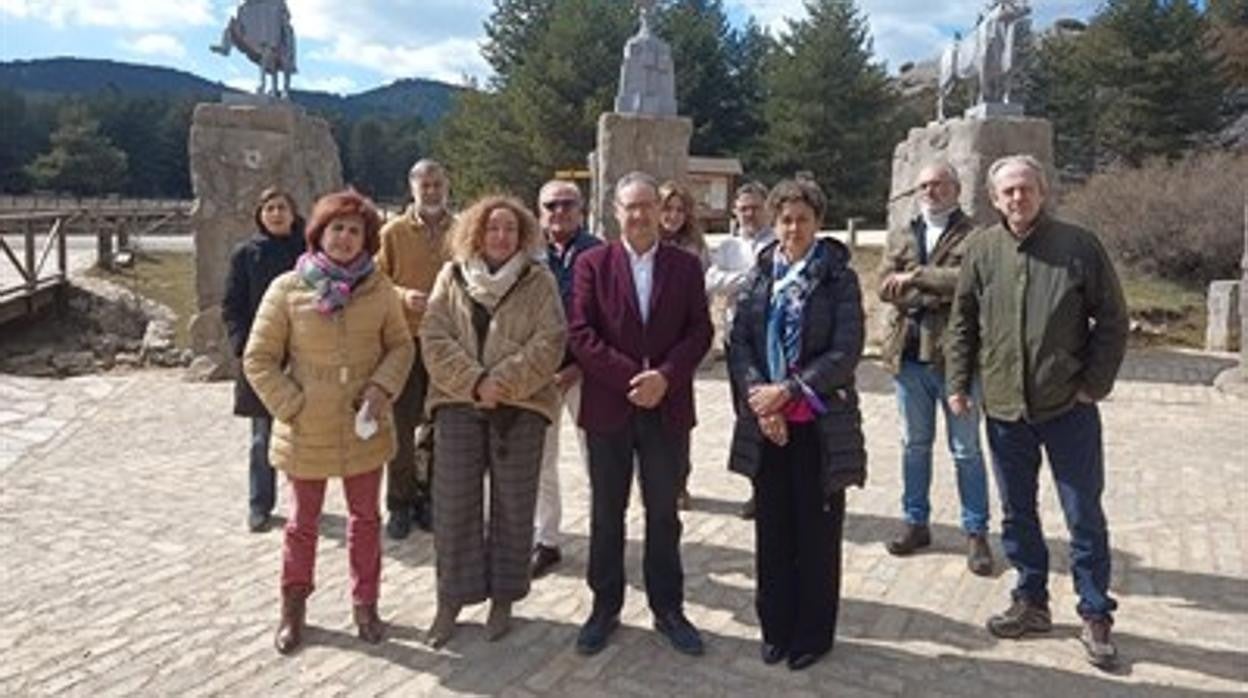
{"x": 253, "y": 265}
{"x": 832, "y": 340}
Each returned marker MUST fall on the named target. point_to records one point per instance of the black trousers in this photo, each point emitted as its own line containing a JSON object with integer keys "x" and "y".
{"x": 403, "y": 482}
{"x": 661, "y": 455}
{"x": 798, "y": 546}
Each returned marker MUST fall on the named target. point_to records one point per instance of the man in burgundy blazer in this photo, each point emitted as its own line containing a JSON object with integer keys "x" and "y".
{"x": 638, "y": 327}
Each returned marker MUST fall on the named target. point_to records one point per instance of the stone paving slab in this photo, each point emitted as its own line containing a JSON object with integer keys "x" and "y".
{"x": 127, "y": 570}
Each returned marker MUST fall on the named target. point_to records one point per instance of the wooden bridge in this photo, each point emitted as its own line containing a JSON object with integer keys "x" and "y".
{"x": 29, "y": 238}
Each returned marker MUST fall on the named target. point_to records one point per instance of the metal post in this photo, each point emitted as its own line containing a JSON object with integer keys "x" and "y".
{"x": 851, "y": 225}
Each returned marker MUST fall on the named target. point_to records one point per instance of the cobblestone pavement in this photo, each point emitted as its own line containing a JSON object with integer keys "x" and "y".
{"x": 126, "y": 568}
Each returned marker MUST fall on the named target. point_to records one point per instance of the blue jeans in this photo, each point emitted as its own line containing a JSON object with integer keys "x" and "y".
{"x": 263, "y": 481}
{"x": 1072, "y": 441}
{"x": 919, "y": 389}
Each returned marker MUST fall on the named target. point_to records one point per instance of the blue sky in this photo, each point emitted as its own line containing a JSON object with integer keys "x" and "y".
{"x": 348, "y": 46}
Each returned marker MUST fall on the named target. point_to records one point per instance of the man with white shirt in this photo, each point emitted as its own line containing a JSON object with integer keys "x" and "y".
{"x": 638, "y": 327}
{"x": 917, "y": 282}
{"x": 733, "y": 259}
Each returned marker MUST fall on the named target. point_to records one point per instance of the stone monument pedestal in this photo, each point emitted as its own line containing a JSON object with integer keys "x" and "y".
{"x": 656, "y": 145}
{"x": 971, "y": 146}
{"x": 237, "y": 151}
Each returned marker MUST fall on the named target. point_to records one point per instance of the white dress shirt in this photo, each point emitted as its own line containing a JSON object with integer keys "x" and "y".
{"x": 732, "y": 261}
{"x": 643, "y": 275}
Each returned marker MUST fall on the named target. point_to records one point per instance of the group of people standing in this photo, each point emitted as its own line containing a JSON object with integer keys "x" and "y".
{"x": 488, "y": 325}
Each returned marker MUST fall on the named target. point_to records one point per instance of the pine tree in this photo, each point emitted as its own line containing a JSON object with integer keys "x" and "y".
{"x": 554, "y": 78}
{"x": 367, "y": 152}
{"x": 1061, "y": 88}
{"x": 512, "y": 28}
{"x": 81, "y": 160}
{"x": 830, "y": 109}
{"x": 701, "y": 42}
{"x": 1158, "y": 87}
{"x": 748, "y": 52}
{"x": 14, "y": 151}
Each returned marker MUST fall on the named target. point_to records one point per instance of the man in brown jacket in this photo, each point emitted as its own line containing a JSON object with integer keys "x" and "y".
{"x": 412, "y": 253}
{"x": 920, "y": 272}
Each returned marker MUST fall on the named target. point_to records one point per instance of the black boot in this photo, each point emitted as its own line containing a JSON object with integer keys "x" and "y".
{"x": 912, "y": 538}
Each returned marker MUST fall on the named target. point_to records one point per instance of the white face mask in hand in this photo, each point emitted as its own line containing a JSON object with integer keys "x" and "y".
{"x": 365, "y": 425}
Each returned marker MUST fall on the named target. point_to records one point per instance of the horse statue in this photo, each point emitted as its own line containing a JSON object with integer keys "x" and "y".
{"x": 261, "y": 31}
{"x": 989, "y": 54}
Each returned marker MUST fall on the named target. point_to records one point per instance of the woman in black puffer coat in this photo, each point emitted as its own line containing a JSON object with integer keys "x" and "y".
{"x": 795, "y": 343}
{"x": 272, "y": 251}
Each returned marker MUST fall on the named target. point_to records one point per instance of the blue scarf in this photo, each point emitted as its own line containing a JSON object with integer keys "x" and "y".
{"x": 333, "y": 282}
{"x": 791, "y": 286}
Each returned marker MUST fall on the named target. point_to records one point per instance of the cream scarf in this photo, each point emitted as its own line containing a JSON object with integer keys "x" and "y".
{"x": 488, "y": 288}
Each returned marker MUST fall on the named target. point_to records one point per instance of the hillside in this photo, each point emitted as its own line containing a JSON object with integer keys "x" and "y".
{"x": 55, "y": 77}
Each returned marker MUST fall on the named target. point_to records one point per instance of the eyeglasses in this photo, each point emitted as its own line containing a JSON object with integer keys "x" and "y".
{"x": 565, "y": 204}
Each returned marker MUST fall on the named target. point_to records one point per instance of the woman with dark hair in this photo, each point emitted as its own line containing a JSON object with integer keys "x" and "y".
{"x": 278, "y": 242}
{"x": 328, "y": 351}
{"x": 796, "y": 340}
{"x": 493, "y": 337}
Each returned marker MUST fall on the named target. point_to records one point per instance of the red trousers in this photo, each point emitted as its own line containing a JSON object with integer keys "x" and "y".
{"x": 363, "y": 528}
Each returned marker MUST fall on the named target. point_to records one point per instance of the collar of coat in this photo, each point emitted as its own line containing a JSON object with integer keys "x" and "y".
{"x": 829, "y": 265}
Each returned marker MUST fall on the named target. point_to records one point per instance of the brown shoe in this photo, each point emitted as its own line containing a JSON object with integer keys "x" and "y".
{"x": 978, "y": 554}
{"x": 1097, "y": 643}
{"x": 1022, "y": 618}
{"x": 294, "y": 612}
{"x": 499, "y": 620}
{"x": 443, "y": 624}
{"x": 367, "y": 624}
{"x": 912, "y": 538}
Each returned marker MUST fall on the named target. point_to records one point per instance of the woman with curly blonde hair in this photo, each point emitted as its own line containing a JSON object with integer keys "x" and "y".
{"x": 493, "y": 338}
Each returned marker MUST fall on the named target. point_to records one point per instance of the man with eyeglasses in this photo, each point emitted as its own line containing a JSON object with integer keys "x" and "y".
{"x": 920, "y": 271}
{"x": 733, "y": 259}
{"x": 639, "y": 327}
{"x": 562, "y": 216}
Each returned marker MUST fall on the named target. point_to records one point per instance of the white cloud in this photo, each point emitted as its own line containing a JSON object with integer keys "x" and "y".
{"x": 139, "y": 15}
{"x": 435, "y": 39}
{"x": 907, "y": 30}
{"x": 156, "y": 45}
{"x": 449, "y": 60}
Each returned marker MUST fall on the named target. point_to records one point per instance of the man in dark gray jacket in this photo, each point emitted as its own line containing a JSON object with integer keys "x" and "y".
{"x": 1039, "y": 314}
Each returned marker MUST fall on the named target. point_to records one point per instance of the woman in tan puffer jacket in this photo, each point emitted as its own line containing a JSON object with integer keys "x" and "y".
{"x": 330, "y": 341}
{"x": 492, "y": 338}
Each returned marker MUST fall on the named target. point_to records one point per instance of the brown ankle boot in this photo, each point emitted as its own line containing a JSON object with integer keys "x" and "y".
{"x": 294, "y": 611}
{"x": 368, "y": 625}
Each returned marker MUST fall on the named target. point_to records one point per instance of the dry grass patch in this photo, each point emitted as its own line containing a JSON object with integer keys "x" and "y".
{"x": 165, "y": 277}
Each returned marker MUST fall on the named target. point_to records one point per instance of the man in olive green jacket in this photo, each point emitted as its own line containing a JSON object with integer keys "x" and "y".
{"x": 1039, "y": 315}
{"x": 919, "y": 274}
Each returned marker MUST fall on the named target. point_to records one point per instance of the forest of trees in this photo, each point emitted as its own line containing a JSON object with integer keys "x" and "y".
{"x": 1146, "y": 78}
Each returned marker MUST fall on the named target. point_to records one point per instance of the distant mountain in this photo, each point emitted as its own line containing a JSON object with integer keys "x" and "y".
{"x": 54, "y": 77}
